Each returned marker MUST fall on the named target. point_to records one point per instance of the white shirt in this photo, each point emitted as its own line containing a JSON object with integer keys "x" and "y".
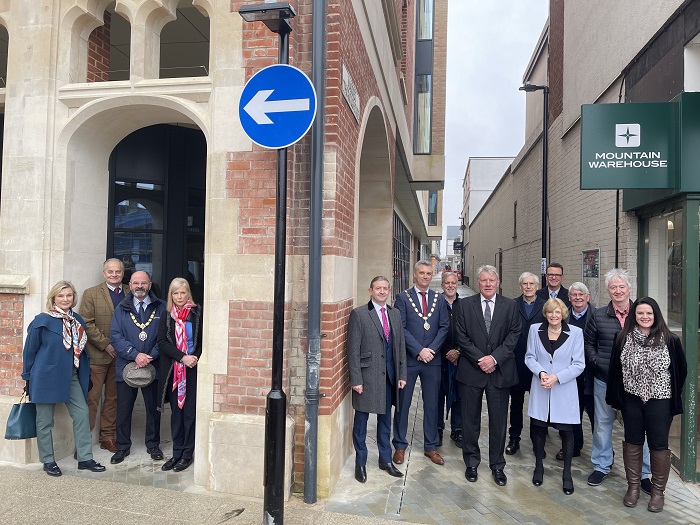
{"x": 377, "y": 309}
{"x": 492, "y": 304}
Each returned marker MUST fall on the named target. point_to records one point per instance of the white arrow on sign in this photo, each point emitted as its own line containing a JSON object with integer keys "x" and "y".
{"x": 258, "y": 107}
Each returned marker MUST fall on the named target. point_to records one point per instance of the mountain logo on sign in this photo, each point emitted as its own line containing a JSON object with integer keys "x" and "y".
{"x": 627, "y": 135}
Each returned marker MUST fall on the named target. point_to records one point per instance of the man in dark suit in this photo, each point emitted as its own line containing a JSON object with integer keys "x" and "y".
{"x": 426, "y": 322}
{"x": 377, "y": 361}
{"x": 554, "y": 288}
{"x": 488, "y": 326}
{"x": 530, "y": 311}
{"x": 449, "y": 393}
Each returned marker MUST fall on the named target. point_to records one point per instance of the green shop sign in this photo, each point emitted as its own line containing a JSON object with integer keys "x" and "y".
{"x": 629, "y": 145}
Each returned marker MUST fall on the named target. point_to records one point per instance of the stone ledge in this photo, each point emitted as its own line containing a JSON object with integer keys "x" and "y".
{"x": 18, "y": 284}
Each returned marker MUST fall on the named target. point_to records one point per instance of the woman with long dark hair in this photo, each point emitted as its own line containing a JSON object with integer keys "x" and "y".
{"x": 647, "y": 373}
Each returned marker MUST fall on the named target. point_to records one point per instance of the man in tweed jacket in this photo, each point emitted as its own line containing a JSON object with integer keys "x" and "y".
{"x": 97, "y": 308}
{"x": 377, "y": 360}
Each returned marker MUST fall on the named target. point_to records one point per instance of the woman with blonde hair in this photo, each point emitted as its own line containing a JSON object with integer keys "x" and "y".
{"x": 180, "y": 347}
{"x": 555, "y": 358}
{"x": 57, "y": 370}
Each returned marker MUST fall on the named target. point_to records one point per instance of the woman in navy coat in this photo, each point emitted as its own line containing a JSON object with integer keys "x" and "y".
{"x": 56, "y": 369}
{"x": 555, "y": 358}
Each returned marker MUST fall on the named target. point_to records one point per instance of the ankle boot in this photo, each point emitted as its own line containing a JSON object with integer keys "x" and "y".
{"x": 632, "y": 457}
{"x": 660, "y": 468}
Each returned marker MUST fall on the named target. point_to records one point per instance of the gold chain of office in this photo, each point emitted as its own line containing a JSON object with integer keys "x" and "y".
{"x": 426, "y": 324}
{"x": 143, "y": 335}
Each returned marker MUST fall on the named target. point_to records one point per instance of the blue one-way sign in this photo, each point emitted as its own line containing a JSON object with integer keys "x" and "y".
{"x": 277, "y": 106}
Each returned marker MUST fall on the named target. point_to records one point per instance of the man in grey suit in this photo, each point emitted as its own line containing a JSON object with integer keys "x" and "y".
{"x": 488, "y": 327}
{"x": 377, "y": 361}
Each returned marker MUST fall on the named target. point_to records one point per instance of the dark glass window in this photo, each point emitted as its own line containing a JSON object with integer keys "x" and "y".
{"x": 402, "y": 257}
{"x": 432, "y": 208}
{"x": 422, "y": 135}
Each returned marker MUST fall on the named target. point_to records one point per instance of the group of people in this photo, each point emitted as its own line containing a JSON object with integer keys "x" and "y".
{"x": 550, "y": 341}
{"x": 117, "y": 343}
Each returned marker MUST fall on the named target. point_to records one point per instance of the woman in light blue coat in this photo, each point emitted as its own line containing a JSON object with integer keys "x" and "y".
{"x": 555, "y": 358}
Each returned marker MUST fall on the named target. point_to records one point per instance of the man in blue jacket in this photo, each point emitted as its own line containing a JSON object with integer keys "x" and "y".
{"x": 134, "y": 335}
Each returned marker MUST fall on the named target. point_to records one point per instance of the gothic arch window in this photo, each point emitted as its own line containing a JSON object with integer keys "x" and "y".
{"x": 109, "y": 48}
{"x": 184, "y": 44}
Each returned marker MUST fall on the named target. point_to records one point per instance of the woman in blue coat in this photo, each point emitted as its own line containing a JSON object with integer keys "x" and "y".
{"x": 555, "y": 358}
{"x": 56, "y": 369}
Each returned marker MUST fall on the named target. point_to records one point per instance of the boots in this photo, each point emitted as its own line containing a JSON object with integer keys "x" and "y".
{"x": 632, "y": 458}
{"x": 660, "y": 467}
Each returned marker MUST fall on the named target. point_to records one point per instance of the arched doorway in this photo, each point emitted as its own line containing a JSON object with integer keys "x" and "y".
{"x": 157, "y": 196}
{"x": 375, "y": 206}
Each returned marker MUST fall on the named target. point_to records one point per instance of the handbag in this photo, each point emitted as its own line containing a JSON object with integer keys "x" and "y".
{"x": 21, "y": 423}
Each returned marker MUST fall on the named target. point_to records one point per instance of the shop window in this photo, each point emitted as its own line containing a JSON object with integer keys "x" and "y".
{"x": 184, "y": 44}
{"x": 402, "y": 257}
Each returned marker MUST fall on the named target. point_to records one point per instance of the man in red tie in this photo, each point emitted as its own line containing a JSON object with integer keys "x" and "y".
{"x": 97, "y": 308}
{"x": 426, "y": 323}
{"x": 377, "y": 361}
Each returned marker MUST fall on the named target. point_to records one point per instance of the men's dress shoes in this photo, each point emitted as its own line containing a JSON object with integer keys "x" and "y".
{"x": 91, "y": 465}
{"x": 513, "y": 447}
{"x": 440, "y": 431}
{"x": 457, "y": 438}
{"x": 182, "y": 464}
{"x": 156, "y": 453}
{"x": 499, "y": 477}
{"x": 52, "y": 469}
{"x": 398, "y": 456}
{"x": 471, "y": 474}
{"x": 391, "y": 469}
{"x": 170, "y": 463}
{"x": 435, "y": 457}
{"x": 109, "y": 444}
{"x": 360, "y": 474}
{"x": 119, "y": 456}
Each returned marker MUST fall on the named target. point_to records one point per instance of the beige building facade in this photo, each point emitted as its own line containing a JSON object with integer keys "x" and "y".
{"x": 122, "y": 138}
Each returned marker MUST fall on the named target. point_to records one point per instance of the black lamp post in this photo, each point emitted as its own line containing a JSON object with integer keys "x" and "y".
{"x": 463, "y": 255}
{"x": 276, "y": 15}
{"x": 545, "y": 158}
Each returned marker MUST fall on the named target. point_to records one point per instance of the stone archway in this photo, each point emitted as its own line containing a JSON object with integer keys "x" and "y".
{"x": 375, "y": 205}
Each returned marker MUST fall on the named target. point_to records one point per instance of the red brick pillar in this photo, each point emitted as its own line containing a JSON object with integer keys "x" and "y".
{"x": 11, "y": 324}
{"x": 98, "y": 52}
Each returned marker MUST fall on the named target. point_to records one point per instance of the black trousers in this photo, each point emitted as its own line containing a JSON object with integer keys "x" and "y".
{"x": 126, "y": 397}
{"x": 517, "y": 401}
{"x": 182, "y": 420}
{"x": 652, "y": 419}
{"x": 497, "y": 403}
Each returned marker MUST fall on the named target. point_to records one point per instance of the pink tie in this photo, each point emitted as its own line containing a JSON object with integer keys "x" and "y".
{"x": 385, "y": 324}
{"x": 117, "y": 290}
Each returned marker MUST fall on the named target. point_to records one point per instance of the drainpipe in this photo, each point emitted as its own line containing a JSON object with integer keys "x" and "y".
{"x": 313, "y": 354}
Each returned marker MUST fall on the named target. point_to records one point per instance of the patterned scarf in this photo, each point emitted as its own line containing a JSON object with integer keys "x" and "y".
{"x": 74, "y": 335}
{"x": 179, "y": 373}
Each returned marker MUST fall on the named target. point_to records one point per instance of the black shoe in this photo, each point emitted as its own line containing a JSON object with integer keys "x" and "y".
{"x": 471, "y": 474}
{"x": 457, "y": 438}
{"x": 538, "y": 477}
{"x": 646, "y": 485}
{"x": 513, "y": 447}
{"x": 440, "y": 431}
{"x": 596, "y": 478}
{"x": 119, "y": 456}
{"x": 182, "y": 464}
{"x": 170, "y": 463}
{"x": 560, "y": 455}
{"x": 568, "y": 487}
{"x": 91, "y": 465}
{"x": 391, "y": 469}
{"x": 156, "y": 453}
{"x": 360, "y": 474}
{"x": 499, "y": 477}
{"x": 52, "y": 469}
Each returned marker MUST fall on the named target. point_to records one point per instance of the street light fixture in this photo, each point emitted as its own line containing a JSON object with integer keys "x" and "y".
{"x": 528, "y": 88}
{"x": 276, "y": 15}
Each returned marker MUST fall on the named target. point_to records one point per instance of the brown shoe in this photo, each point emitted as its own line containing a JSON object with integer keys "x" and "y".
{"x": 109, "y": 444}
{"x": 435, "y": 457}
{"x": 398, "y": 456}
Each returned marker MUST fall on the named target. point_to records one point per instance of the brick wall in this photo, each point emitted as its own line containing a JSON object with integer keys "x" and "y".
{"x": 98, "y": 51}
{"x": 11, "y": 324}
{"x": 439, "y": 79}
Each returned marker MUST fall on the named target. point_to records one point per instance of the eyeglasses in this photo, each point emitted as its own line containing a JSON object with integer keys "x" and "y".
{"x": 555, "y": 275}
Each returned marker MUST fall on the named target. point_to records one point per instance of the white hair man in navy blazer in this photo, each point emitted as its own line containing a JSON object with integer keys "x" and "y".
{"x": 377, "y": 361}
{"x": 426, "y": 323}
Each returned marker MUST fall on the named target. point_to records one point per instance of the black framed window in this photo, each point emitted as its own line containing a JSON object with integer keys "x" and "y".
{"x": 402, "y": 257}
{"x": 432, "y": 208}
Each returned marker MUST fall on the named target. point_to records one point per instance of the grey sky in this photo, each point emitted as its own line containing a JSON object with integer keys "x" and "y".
{"x": 489, "y": 45}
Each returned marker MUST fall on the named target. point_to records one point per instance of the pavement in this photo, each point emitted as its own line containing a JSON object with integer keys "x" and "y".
{"x": 138, "y": 491}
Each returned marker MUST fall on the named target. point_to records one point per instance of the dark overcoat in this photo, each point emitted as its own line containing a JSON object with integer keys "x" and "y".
{"x": 535, "y": 317}
{"x": 367, "y": 359}
{"x": 46, "y": 363}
